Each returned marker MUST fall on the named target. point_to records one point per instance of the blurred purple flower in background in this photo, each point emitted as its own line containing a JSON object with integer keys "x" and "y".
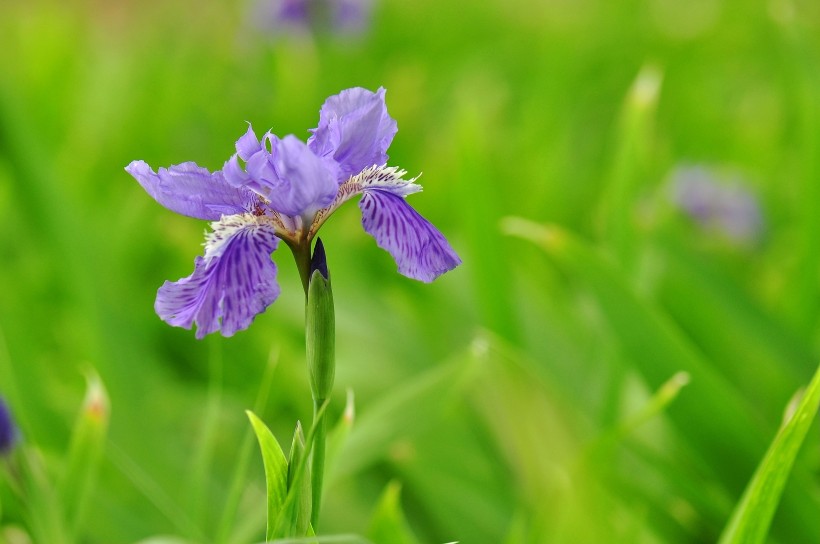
{"x": 284, "y": 189}
{"x": 726, "y": 206}
{"x": 8, "y": 431}
{"x": 346, "y": 17}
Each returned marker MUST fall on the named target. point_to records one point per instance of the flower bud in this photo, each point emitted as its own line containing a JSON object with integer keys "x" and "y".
{"x": 320, "y": 323}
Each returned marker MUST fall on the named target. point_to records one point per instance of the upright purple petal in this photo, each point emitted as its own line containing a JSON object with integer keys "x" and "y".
{"x": 248, "y": 144}
{"x": 230, "y": 285}
{"x": 355, "y": 130}
{"x": 419, "y": 249}
{"x": 284, "y": 171}
{"x": 292, "y": 177}
{"x": 191, "y": 190}
{"x": 259, "y": 174}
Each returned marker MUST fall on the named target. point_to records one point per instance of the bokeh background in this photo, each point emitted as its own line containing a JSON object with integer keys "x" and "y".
{"x": 611, "y": 371}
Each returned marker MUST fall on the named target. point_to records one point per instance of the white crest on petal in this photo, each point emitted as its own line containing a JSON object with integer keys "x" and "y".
{"x": 389, "y": 178}
{"x": 386, "y": 178}
{"x": 227, "y": 226}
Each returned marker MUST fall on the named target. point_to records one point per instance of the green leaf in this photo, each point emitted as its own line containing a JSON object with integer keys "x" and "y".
{"x": 753, "y": 515}
{"x": 276, "y": 471}
{"x": 299, "y": 487}
{"x": 85, "y": 453}
{"x": 632, "y": 143}
{"x": 388, "y": 525}
{"x": 298, "y": 481}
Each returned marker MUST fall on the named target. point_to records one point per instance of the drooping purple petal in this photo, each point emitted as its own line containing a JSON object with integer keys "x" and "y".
{"x": 191, "y": 190}
{"x": 419, "y": 249}
{"x": 230, "y": 285}
{"x": 355, "y": 130}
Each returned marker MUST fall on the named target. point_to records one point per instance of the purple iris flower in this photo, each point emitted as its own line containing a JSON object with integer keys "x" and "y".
{"x": 727, "y": 207}
{"x": 284, "y": 189}
{"x": 338, "y": 16}
{"x": 8, "y": 431}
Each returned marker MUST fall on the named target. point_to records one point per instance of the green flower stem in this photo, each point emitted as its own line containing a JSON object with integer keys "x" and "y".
{"x": 317, "y": 464}
{"x": 301, "y": 253}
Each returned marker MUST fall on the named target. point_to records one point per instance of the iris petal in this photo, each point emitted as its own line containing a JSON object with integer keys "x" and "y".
{"x": 248, "y": 144}
{"x": 355, "y": 130}
{"x": 191, "y": 190}
{"x": 307, "y": 183}
{"x": 419, "y": 249}
{"x": 230, "y": 285}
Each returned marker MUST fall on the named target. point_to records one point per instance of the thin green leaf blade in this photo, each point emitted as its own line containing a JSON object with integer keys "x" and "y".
{"x": 276, "y": 471}
{"x": 85, "y": 452}
{"x": 297, "y": 501}
{"x": 300, "y": 519}
{"x": 632, "y": 142}
{"x": 753, "y": 515}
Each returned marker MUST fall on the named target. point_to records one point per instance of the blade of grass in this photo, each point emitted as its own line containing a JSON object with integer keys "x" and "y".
{"x": 304, "y": 501}
{"x": 632, "y": 139}
{"x": 85, "y": 452}
{"x": 752, "y": 517}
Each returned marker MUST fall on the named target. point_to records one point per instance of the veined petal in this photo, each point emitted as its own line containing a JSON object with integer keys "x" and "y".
{"x": 419, "y": 249}
{"x": 355, "y": 130}
{"x": 386, "y": 178}
{"x": 191, "y": 190}
{"x": 230, "y": 285}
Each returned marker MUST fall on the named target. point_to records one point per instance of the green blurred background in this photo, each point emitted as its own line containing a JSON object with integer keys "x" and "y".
{"x": 514, "y": 399}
